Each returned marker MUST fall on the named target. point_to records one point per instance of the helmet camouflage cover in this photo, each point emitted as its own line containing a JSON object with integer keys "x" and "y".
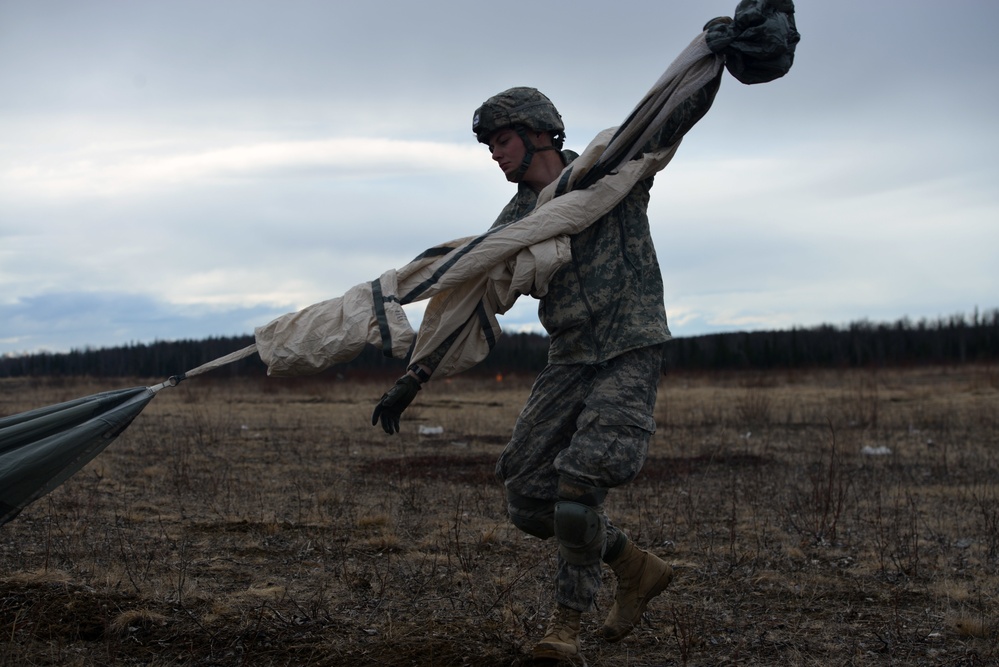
{"x": 518, "y": 106}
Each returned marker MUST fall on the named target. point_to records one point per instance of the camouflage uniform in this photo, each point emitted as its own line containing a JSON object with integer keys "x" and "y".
{"x": 587, "y": 424}
{"x": 586, "y": 427}
{"x": 589, "y": 417}
{"x": 610, "y": 298}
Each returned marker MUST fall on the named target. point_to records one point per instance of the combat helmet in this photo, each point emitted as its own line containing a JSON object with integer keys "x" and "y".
{"x": 523, "y": 109}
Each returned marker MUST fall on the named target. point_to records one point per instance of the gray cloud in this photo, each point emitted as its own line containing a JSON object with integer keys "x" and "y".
{"x": 49, "y": 321}
{"x": 212, "y": 165}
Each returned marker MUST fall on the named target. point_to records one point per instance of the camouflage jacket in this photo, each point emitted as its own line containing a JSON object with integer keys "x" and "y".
{"x": 609, "y": 300}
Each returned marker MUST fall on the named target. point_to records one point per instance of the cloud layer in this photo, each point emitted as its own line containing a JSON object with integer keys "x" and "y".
{"x": 187, "y": 169}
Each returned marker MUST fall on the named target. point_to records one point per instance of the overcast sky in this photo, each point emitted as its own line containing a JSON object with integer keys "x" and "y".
{"x": 188, "y": 169}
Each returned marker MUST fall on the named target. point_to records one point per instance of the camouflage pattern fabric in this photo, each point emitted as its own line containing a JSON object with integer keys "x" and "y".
{"x": 518, "y": 106}
{"x": 589, "y": 424}
{"x": 589, "y": 416}
{"x": 610, "y": 298}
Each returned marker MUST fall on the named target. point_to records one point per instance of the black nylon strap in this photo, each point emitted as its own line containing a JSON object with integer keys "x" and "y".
{"x": 420, "y": 374}
{"x": 442, "y": 269}
{"x": 484, "y": 324}
{"x": 436, "y": 251}
{"x": 383, "y": 327}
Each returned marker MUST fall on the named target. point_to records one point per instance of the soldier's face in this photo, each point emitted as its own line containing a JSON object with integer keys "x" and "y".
{"x": 508, "y": 150}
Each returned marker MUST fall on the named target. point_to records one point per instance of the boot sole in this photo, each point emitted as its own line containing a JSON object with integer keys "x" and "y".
{"x": 615, "y": 635}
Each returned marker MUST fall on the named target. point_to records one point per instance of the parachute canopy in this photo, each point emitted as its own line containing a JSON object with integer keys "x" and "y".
{"x": 42, "y": 448}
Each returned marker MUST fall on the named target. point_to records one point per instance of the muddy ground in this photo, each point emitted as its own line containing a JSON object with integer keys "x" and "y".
{"x": 824, "y": 518}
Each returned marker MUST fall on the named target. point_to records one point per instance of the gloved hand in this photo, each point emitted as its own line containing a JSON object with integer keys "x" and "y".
{"x": 394, "y": 401}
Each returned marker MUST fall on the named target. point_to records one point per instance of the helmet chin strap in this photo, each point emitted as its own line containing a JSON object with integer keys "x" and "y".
{"x": 530, "y": 149}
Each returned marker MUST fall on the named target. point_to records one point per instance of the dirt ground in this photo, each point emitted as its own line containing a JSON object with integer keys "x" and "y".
{"x": 820, "y": 518}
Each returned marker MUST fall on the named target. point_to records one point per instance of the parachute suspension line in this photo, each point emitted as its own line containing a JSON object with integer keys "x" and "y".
{"x": 171, "y": 381}
{"x": 174, "y": 380}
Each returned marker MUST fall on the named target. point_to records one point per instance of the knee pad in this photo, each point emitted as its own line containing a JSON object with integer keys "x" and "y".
{"x": 581, "y": 532}
{"x": 534, "y": 517}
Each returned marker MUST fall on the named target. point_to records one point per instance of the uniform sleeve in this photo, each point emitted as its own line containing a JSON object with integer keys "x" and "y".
{"x": 433, "y": 360}
{"x": 685, "y": 116}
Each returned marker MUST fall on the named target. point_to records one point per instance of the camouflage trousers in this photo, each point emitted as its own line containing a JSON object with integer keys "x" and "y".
{"x": 584, "y": 426}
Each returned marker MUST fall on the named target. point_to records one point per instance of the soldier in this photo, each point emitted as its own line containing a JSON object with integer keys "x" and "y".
{"x": 586, "y": 427}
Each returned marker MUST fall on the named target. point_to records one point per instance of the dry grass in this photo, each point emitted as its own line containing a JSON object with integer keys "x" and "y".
{"x": 266, "y": 522}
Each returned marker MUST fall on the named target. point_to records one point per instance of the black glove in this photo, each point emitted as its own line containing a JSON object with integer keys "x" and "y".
{"x": 395, "y": 400}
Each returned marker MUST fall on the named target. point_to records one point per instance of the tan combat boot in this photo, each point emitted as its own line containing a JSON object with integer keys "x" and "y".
{"x": 640, "y": 577}
{"x": 561, "y": 642}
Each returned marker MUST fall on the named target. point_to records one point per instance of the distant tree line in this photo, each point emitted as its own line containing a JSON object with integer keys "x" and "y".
{"x": 952, "y": 340}
{"x": 514, "y": 353}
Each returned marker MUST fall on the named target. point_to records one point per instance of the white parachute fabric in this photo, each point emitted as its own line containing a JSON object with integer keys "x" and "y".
{"x": 471, "y": 280}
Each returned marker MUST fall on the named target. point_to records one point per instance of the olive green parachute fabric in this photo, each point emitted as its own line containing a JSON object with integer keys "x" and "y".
{"x": 41, "y": 449}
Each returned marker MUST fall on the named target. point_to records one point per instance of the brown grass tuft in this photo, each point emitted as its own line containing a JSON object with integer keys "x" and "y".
{"x": 136, "y": 618}
{"x": 967, "y": 626}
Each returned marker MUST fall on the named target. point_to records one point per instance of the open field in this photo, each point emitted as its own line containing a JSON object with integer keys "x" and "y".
{"x": 819, "y": 518}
